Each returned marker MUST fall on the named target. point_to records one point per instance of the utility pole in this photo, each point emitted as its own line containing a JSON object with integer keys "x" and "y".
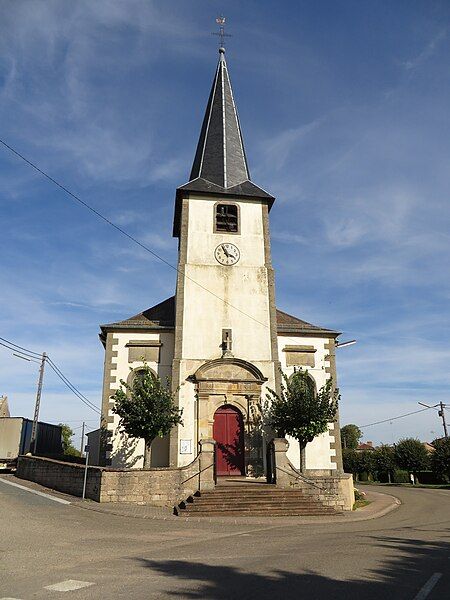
{"x": 441, "y": 413}
{"x": 34, "y": 430}
{"x": 82, "y": 439}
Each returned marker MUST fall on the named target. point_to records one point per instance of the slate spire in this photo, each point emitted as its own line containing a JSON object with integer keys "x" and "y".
{"x": 220, "y": 156}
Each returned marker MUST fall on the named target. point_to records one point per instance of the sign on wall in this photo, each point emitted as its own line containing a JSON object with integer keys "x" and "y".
{"x": 185, "y": 446}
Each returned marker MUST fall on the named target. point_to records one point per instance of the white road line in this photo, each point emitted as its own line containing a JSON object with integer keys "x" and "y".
{"x": 22, "y": 487}
{"x": 427, "y": 588}
{"x": 68, "y": 586}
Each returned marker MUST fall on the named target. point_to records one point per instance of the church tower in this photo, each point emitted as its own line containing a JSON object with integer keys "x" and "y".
{"x": 220, "y": 339}
{"x": 225, "y": 296}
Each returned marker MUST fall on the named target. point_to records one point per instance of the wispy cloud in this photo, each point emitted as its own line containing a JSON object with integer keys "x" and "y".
{"x": 427, "y": 52}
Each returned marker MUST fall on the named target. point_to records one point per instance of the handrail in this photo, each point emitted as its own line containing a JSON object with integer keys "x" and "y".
{"x": 198, "y": 473}
{"x": 305, "y": 479}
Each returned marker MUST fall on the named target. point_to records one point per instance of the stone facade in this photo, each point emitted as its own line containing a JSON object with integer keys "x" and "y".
{"x": 220, "y": 339}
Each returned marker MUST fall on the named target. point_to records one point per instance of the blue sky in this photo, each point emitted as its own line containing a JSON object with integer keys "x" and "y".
{"x": 344, "y": 107}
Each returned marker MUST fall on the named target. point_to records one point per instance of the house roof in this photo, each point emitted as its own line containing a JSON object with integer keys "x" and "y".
{"x": 220, "y": 164}
{"x": 162, "y": 316}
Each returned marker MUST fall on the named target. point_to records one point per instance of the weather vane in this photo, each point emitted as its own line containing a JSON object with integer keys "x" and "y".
{"x": 221, "y": 33}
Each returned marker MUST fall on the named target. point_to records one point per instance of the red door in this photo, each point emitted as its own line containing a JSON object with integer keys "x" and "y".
{"x": 228, "y": 432}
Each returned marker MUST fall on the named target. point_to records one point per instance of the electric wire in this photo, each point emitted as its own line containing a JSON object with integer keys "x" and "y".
{"x": 71, "y": 386}
{"x": 79, "y": 396}
{"x": 28, "y": 356}
{"x": 395, "y": 418}
{"x": 21, "y": 347}
{"x": 125, "y": 233}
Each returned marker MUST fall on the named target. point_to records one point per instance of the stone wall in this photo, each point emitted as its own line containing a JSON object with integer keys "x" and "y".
{"x": 333, "y": 490}
{"x": 62, "y": 476}
{"x": 156, "y": 487}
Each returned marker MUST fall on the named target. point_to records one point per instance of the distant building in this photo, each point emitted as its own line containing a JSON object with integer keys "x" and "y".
{"x": 365, "y": 446}
{"x": 429, "y": 447}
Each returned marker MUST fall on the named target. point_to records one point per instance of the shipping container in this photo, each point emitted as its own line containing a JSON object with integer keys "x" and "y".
{"x": 15, "y": 439}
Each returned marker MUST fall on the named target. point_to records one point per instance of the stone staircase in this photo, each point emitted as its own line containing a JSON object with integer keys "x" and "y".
{"x": 235, "y": 497}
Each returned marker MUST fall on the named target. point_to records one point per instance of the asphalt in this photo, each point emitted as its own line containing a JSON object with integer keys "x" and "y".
{"x": 404, "y": 554}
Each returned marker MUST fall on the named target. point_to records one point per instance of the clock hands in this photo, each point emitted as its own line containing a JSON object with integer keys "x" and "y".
{"x": 227, "y": 254}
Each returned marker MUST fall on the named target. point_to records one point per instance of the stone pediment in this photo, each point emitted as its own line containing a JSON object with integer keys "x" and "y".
{"x": 229, "y": 369}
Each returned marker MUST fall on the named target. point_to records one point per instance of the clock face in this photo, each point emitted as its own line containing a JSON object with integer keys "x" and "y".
{"x": 227, "y": 254}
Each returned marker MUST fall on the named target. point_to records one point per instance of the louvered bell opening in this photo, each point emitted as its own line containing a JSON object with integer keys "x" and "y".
{"x": 227, "y": 218}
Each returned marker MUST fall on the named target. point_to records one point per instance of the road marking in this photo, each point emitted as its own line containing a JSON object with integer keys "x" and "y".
{"x": 427, "y": 588}
{"x": 22, "y": 487}
{"x": 68, "y": 586}
{"x": 8, "y": 598}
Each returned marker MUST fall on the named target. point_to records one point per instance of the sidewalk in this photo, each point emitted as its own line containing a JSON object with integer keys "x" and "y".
{"x": 380, "y": 505}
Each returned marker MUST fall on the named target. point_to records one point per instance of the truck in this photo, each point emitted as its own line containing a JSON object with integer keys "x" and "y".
{"x": 15, "y": 439}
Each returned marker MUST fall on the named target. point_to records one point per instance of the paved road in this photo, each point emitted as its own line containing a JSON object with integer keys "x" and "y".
{"x": 43, "y": 543}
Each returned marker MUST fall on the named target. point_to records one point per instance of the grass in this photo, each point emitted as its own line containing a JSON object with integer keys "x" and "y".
{"x": 360, "y": 504}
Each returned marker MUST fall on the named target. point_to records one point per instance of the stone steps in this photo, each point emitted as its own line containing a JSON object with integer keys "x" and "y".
{"x": 254, "y": 500}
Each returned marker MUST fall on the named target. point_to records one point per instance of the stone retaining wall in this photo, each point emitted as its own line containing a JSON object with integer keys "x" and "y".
{"x": 156, "y": 487}
{"x": 336, "y": 490}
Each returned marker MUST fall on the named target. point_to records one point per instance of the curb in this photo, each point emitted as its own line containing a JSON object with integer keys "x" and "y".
{"x": 372, "y": 511}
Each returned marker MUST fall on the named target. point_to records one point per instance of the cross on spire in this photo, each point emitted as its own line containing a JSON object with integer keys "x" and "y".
{"x": 221, "y": 33}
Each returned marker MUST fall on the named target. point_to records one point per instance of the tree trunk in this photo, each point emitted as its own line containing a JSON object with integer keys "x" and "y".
{"x": 302, "y": 458}
{"x": 147, "y": 454}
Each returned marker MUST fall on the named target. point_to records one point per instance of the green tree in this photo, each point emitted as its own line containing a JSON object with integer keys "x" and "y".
{"x": 366, "y": 463}
{"x": 67, "y": 435}
{"x": 301, "y": 412}
{"x": 411, "y": 455}
{"x": 350, "y": 436}
{"x": 350, "y": 460}
{"x": 146, "y": 408}
{"x": 440, "y": 459}
{"x": 384, "y": 458}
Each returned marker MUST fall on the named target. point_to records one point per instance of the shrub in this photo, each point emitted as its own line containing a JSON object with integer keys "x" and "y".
{"x": 411, "y": 455}
{"x": 440, "y": 459}
{"x": 401, "y": 476}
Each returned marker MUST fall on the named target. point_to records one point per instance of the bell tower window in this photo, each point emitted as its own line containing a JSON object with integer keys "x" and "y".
{"x": 226, "y": 218}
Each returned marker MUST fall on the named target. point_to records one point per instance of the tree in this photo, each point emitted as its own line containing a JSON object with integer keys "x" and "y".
{"x": 440, "y": 459}
{"x": 366, "y": 463}
{"x": 384, "y": 458}
{"x": 67, "y": 435}
{"x": 301, "y": 412}
{"x": 146, "y": 408}
{"x": 350, "y": 460}
{"x": 411, "y": 455}
{"x": 350, "y": 436}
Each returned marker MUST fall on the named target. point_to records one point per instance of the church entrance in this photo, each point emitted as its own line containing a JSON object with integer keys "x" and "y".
{"x": 228, "y": 431}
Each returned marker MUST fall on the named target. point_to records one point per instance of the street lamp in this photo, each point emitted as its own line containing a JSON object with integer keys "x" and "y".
{"x": 344, "y": 344}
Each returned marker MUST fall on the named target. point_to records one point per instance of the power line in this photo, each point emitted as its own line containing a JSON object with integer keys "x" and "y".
{"x": 394, "y": 418}
{"x": 21, "y": 347}
{"x": 125, "y": 233}
{"x": 72, "y": 387}
{"x": 29, "y": 356}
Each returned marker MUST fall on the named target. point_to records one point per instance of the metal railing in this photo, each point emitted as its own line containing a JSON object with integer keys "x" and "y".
{"x": 297, "y": 475}
{"x": 198, "y": 473}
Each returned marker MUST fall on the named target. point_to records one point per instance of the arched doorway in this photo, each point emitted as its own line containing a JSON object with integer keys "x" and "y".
{"x": 228, "y": 431}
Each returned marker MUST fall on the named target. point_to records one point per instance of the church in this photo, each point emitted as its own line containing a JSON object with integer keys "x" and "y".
{"x": 220, "y": 339}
